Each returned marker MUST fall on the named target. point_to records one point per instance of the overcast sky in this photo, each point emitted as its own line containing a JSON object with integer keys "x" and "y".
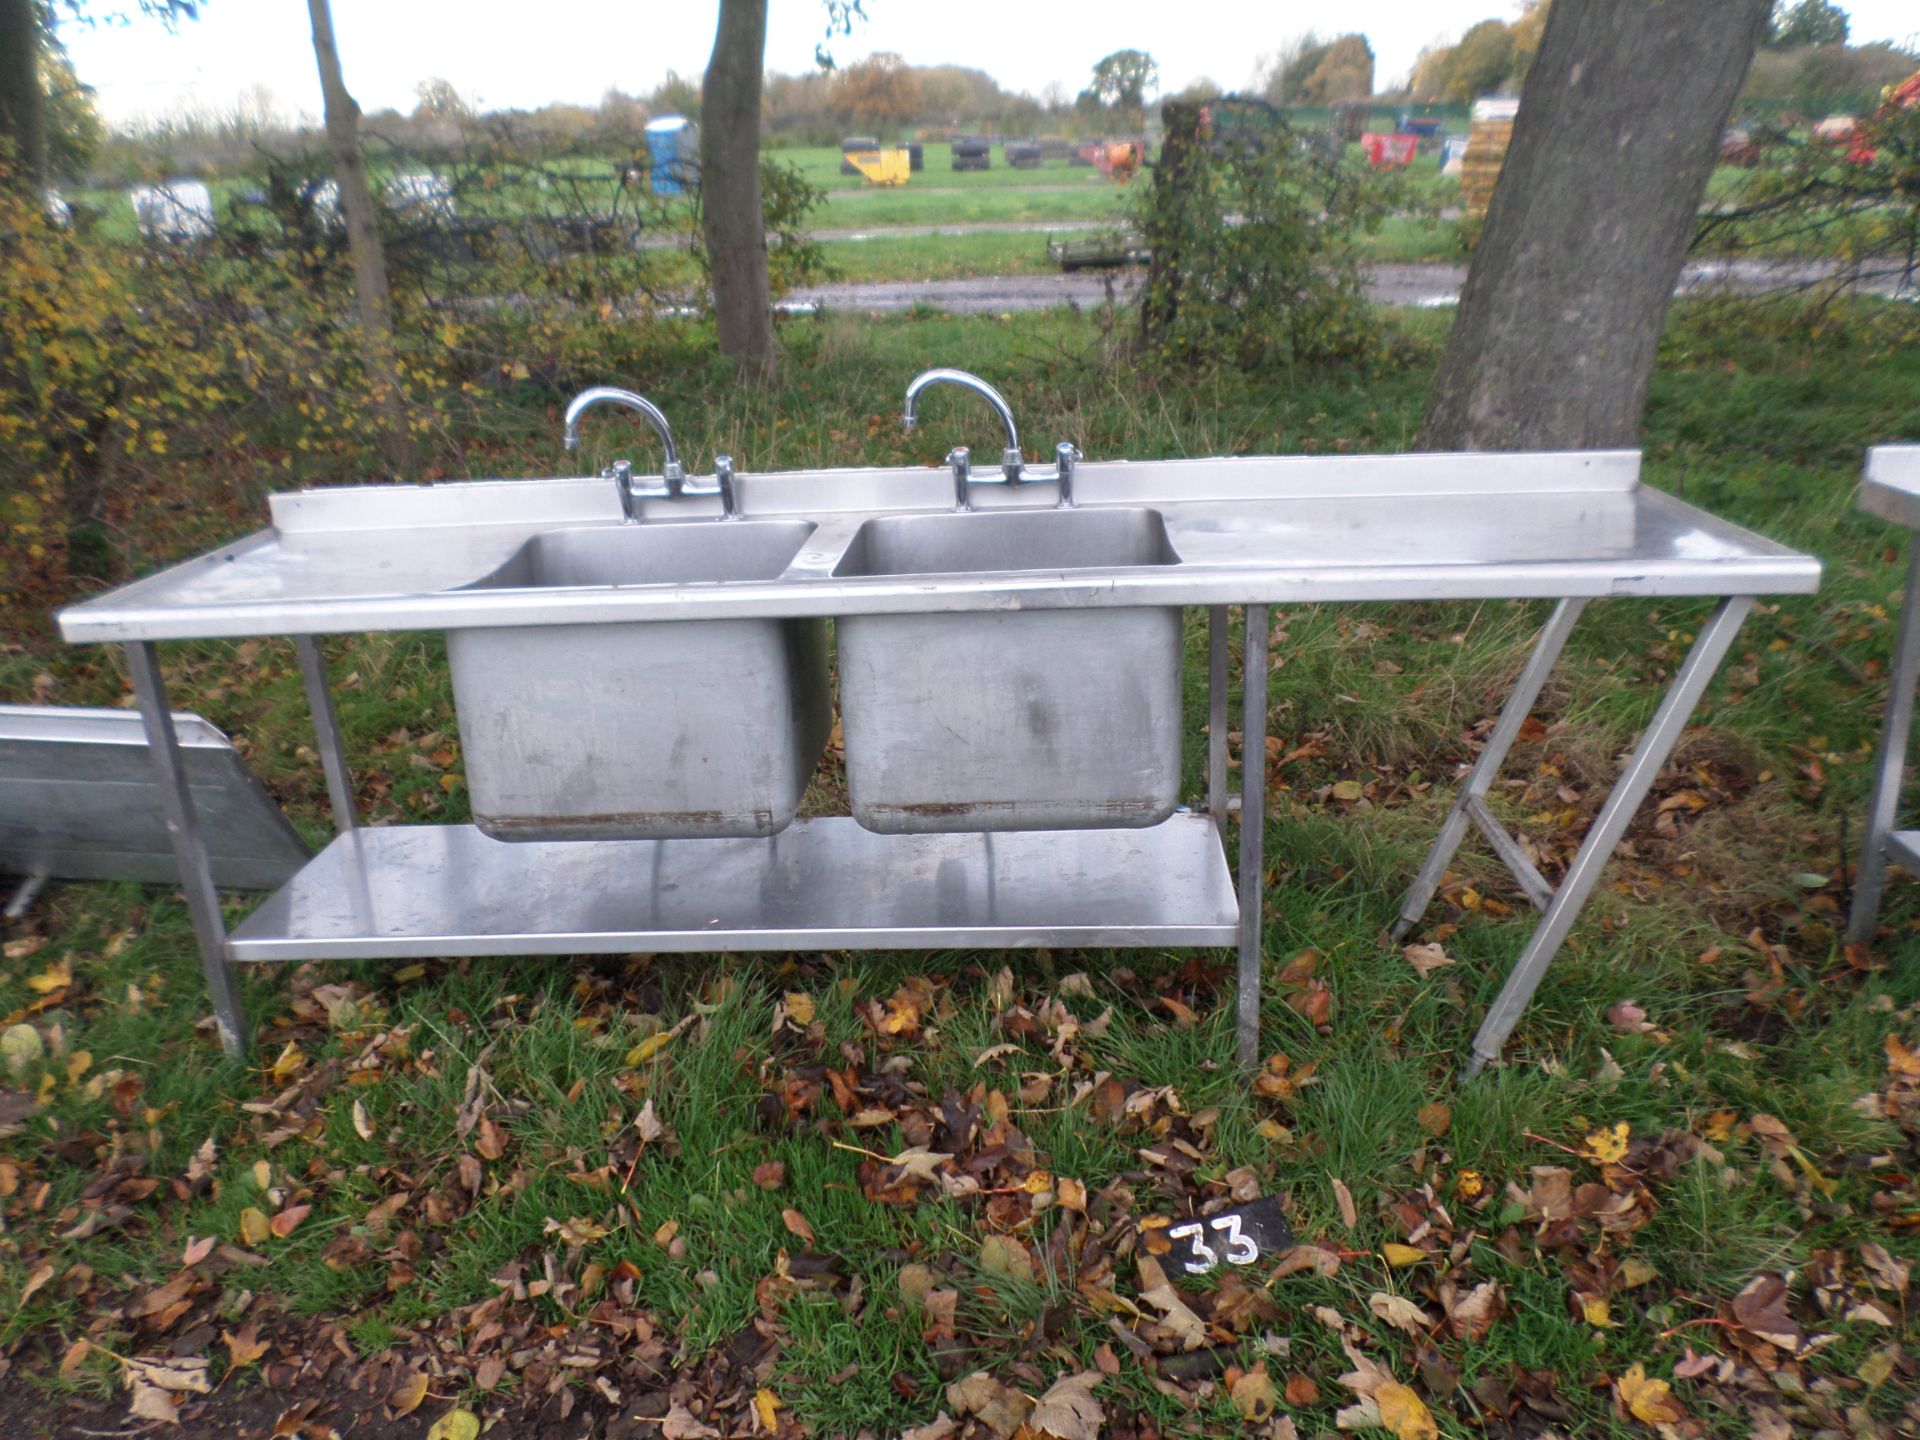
{"x": 512, "y": 54}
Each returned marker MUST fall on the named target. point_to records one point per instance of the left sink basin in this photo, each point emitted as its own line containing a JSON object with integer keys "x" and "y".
{"x": 690, "y": 552}
{"x": 642, "y": 730}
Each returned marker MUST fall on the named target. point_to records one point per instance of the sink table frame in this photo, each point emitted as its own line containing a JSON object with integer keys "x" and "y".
{"x": 1892, "y": 491}
{"x": 1250, "y": 531}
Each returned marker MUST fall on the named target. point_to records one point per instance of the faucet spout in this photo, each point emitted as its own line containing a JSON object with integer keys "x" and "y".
{"x": 671, "y": 471}
{"x": 1011, "y": 461}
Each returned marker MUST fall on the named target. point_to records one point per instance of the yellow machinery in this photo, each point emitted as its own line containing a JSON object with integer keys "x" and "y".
{"x": 882, "y": 167}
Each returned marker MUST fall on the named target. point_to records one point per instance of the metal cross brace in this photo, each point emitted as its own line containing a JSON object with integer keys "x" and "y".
{"x": 1882, "y": 842}
{"x": 1561, "y": 906}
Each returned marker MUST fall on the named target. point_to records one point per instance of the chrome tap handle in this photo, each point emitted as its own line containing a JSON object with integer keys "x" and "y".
{"x": 962, "y": 462}
{"x": 1065, "y": 456}
{"x": 723, "y": 477}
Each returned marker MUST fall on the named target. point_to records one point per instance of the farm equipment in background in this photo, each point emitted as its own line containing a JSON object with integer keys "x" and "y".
{"x": 971, "y": 152}
{"x": 851, "y": 146}
{"x": 1099, "y": 252}
{"x": 1389, "y": 152}
{"x": 891, "y": 166}
{"x": 1118, "y": 160}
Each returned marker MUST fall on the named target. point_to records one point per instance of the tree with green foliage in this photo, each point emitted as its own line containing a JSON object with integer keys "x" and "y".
{"x": 1123, "y": 79}
{"x": 1281, "y": 287}
{"x": 1342, "y": 69}
{"x": 74, "y": 130}
{"x": 1481, "y": 63}
{"x": 1794, "y": 23}
{"x": 26, "y": 40}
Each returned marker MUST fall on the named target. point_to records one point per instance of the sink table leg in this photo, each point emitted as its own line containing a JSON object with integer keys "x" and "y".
{"x": 189, "y": 848}
{"x": 326, "y": 732}
{"x": 1526, "y": 690}
{"x": 1643, "y": 767}
{"x": 1890, "y": 760}
{"x": 1217, "y": 656}
{"x": 1253, "y": 827}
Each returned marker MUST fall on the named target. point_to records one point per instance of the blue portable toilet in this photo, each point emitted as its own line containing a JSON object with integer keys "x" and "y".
{"x": 673, "y": 150}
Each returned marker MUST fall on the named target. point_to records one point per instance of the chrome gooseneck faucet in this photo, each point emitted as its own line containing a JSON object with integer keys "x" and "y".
{"x": 1013, "y": 466}
{"x": 673, "y": 476}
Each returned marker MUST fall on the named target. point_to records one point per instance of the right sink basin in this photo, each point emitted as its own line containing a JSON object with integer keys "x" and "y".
{"x": 1011, "y": 720}
{"x": 1008, "y": 540}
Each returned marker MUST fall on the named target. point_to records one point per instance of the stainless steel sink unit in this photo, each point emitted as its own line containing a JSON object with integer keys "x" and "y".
{"x": 548, "y": 564}
{"x": 642, "y": 731}
{"x": 1011, "y": 720}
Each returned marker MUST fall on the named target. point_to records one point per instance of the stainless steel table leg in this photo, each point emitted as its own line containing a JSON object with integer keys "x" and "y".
{"x": 189, "y": 849}
{"x": 326, "y": 732}
{"x": 1889, "y": 761}
{"x": 1253, "y": 830}
{"x": 1643, "y": 767}
{"x": 1217, "y": 715}
{"x": 1506, "y": 730}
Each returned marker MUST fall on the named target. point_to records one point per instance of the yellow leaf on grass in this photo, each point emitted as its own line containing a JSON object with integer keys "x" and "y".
{"x": 254, "y": 1226}
{"x": 648, "y": 1048}
{"x": 1608, "y": 1145}
{"x": 800, "y": 1007}
{"x": 1593, "y": 1309}
{"x": 1635, "y": 1272}
{"x": 1877, "y": 1368}
{"x": 1404, "y": 1412}
{"x": 765, "y": 1402}
{"x": 1253, "y": 1396}
{"x": 362, "y": 1122}
{"x": 56, "y": 976}
{"x": 1650, "y": 1401}
{"x": 456, "y": 1425}
{"x": 1402, "y": 1255}
{"x": 407, "y": 1395}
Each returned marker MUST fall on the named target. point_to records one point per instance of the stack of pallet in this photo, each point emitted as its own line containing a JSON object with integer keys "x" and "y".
{"x": 1487, "y": 140}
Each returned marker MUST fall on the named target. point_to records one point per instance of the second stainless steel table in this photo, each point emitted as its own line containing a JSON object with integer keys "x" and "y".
{"x": 1891, "y": 490}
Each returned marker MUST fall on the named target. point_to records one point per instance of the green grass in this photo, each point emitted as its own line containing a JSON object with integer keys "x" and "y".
{"x": 1761, "y": 422}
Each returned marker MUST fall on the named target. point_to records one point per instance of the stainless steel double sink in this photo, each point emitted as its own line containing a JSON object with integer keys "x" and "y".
{"x": 1008, "y": 719}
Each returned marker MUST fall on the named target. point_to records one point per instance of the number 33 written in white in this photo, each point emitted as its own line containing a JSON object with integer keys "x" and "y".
{"x": 1240, "y": 1249}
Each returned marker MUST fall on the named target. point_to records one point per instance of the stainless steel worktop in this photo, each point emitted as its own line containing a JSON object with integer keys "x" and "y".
{"x": 1891, "y": 486}
{"x": 1245, "y": 529}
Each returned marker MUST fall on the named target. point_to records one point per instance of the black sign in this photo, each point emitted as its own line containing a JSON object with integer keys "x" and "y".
{"x": 1228, "y": 1237}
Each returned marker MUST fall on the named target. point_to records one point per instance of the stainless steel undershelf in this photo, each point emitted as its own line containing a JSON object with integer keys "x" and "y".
{"x": 430, "y": 890}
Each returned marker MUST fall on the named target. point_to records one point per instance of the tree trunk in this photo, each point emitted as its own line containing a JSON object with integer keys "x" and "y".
{"x": 23, "y": 105}
{"x": 731, "y": 215}
{"x": 1554, "y": 342}
{"x": 1174, "y": 174}
{"x": 363, "y": 242}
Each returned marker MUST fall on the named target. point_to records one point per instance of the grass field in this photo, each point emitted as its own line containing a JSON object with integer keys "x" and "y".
{"x": 485, "y": 1173}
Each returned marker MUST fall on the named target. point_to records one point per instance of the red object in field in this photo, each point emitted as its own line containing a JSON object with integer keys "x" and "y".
{"x": 1389, "y": 151}
{"x": 1118, "y": 160}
